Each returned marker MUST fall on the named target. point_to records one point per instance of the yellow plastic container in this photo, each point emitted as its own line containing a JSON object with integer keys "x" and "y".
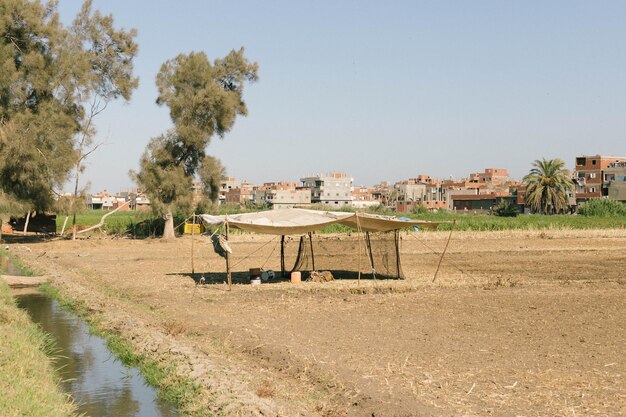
{"x": 199, "y": 228}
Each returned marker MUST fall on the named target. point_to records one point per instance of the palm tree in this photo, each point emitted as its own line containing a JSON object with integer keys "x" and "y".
{"x": 547, "y": 186}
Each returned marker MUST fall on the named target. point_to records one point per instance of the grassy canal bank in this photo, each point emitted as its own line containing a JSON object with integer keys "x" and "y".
{"x": 28, "y": 381}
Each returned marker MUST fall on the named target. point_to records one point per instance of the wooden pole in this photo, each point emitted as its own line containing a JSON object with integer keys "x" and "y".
{"x": 358, "y": 235}
{"x": 64, "y": 224}
{"x": 370, "y": 255}
{"x": 444, "y": 250}
{"x": 282, "y": 256}
{"x": 228, "y": 272}
{"x": 193, "y": 231}
{"x": 312, "y": 254}
{"x": 26, "y": 223}
{"x": 396, "y": 237}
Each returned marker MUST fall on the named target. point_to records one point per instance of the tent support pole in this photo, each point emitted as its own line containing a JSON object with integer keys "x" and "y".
{"x": 359, "y": 232}
{"x": 282, "y": 256}
{"x": 444, "y": 250}
{"x": 228, "y": 272}
{"x": 396, "y": 237}
{"x": 193, "y": 230}
{"x": 369, "y": 252}
{"x": 312, "y": 254}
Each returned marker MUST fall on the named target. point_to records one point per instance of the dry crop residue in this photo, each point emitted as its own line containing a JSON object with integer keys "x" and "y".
{"x": 517, "y": 323}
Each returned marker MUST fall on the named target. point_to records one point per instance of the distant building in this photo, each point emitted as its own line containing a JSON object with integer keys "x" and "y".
{"x": 422, "y": 191}
{"x": 226, "y": 184}
{"x": 363, "y": 197}
{"x": 137, "y": 200}
{"x": 279, "y": 195}
{"x": 334, "y": 189}
{"x": 380, "y": 192}
{"x": 589, "y": 176}
{"x": 492, "y": 176}
{"x": 106, "y": 201}
{"x": 436, "y": 196}
{"x": 141, "y": 203}
{"x": 101, "y": 201}
{"x": 479, "y": 202}
{"x": 615, "y": 178}
{"x": 238, "y": 196}
{"x": 411, "y": 190}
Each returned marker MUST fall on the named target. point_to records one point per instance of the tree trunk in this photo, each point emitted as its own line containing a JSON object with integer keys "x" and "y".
{"x": 168, "y": 231}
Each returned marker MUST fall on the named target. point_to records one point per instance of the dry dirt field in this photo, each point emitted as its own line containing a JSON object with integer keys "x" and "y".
{"x": 517, "y": 324}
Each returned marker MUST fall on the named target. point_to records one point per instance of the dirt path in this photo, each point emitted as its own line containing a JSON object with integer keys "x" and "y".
{"x": 517, "y": 323}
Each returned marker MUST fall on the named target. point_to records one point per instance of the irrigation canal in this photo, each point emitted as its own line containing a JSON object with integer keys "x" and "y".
{"x": 99, "y": 383}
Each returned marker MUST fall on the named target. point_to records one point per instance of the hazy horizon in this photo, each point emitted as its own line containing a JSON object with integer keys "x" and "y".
{"x": 383, "y": 92}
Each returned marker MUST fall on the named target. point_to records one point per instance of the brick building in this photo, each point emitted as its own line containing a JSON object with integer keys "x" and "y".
{"x": 363, "y": 197}
{"x": 589, "y": 176}
{"x": 238, "y": 196}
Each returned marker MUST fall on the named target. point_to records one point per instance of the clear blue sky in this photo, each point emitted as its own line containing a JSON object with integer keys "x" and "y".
{"x": 384, "y": 90}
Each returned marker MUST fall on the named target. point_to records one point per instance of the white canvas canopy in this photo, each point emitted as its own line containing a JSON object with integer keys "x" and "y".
{"x": 296, "y": 221}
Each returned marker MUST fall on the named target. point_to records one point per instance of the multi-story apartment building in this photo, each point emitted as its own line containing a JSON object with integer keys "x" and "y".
{"x": 363, "y": 197}
{"x": 410, "y": 190}
{"x": 281, "y": 195}
{"x": 493, "y": 177}
{"x": 615, "y": 177}
{"x": 226, "y": 184}
{"x": 420, "y": 191}
{"x": 106, "y": 201}
{"x": 380, "y": 192}
{"x": 124, "y": 201}
{"x": 436, "y": 196}
{"x": 334, "y": 189}
{"x": 238, "y": 196}
{"x": 589, "y": 175}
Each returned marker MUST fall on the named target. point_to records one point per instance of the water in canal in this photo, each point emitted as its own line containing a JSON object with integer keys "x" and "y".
{"x": 8, "y": 267}
{"x": 99, "y": 383}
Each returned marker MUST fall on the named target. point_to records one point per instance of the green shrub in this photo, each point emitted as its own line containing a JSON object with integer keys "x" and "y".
{"x": 505, "y": 209}
{"x": 378, "y": 209}
{"x": 602, "y": 207}
{"x": 419, "y": 209}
